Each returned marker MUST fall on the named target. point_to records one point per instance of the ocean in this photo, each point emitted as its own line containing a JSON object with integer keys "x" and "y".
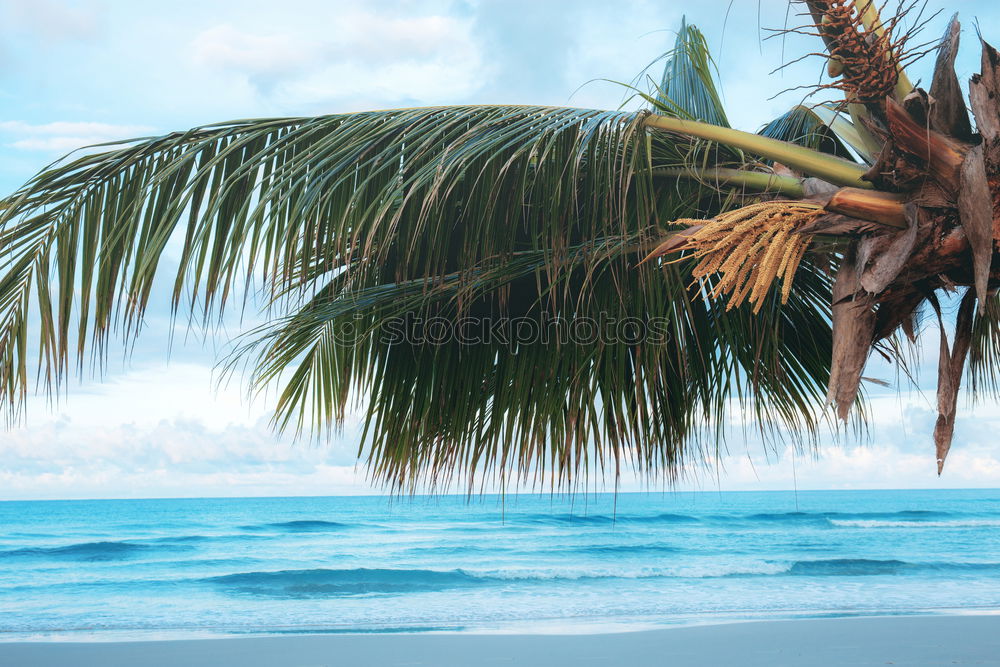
{"x": 179, "y": 568}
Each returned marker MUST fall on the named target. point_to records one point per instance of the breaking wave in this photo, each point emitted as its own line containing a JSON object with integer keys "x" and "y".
{"x": 334, "y": 583}
{"x": 302, "y": 526}
{"x": 86, "y": 551}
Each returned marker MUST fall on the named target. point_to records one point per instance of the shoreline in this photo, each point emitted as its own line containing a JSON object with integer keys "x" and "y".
{"x": 535, "y": 627}
{"x": 866, "y": 640}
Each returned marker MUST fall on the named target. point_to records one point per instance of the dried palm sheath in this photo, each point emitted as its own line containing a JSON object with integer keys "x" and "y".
{"x": 853, "y": 331}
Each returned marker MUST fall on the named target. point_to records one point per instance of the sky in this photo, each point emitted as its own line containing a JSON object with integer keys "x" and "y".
{"x": 159, "y": 424}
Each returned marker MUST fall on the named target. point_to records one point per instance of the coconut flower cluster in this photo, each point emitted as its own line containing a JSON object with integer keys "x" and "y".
{"x": 861, "y": 61}
{"x": 865, "y": 55}
{"x": 749, "y": 248}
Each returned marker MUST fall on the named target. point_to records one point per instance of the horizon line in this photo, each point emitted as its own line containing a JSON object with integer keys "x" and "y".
{"x": 473, "y": 496}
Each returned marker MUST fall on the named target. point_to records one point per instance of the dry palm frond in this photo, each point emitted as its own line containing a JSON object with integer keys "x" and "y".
{"x": 750, "y": 247}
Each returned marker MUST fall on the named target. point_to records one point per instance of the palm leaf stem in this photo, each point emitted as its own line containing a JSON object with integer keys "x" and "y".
{"x": 885, "y": 208}
{"x": 860, "y": 116}
{"x": 763, "y": 181}
{"x": 830, "y": 168}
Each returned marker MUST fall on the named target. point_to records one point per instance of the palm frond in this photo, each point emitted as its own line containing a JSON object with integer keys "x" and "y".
{"x": 545, "y": 375}
{"x": 984, "y": 351}
{"x": 351, "y": 223}
{"x": 687, "y": 87}
{"x": 820, "y": 128}
{"x": 391, "y": 195}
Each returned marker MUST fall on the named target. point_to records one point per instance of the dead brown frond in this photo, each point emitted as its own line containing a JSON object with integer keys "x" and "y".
{"x": 750, "y": 248}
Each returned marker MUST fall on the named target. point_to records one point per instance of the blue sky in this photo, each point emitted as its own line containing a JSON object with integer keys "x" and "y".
{"x": 76, "y": 73}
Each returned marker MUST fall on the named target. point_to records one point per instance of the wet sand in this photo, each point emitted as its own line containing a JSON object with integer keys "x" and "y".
{"x": 911, "y": 640}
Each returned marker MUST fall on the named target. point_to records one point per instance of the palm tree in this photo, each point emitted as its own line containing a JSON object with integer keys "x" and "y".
{"x": 668, "y": 269}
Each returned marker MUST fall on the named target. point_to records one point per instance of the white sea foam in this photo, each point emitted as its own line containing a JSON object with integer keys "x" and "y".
{"x": 692, "y": 570}
{"x": 956, "y": 523}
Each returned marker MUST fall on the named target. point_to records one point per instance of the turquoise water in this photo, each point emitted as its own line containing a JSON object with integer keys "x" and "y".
{"x": 195, "y": 567}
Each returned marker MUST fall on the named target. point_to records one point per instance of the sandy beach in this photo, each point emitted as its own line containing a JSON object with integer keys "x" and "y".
{"x": 911, "y": 641}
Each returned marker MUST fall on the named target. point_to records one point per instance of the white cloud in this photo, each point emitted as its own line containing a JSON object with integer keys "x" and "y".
{"x": 896, "y": 451}
{"x": 163, "y": 430}
{"x": 360, "y": 54}
{"x": 64, "y": 127}
{"x": 225, "y": 47}
{"x": 174, "y": 457}
{"x": 63, "y": 136}
{"x": 56, "y": 21}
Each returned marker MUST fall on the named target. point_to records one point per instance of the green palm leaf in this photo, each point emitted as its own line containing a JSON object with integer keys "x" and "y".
{"x": 356, "y": 225}
{"x": 687, "y": 87}
{"x": 559, "y": 400}
{"x": 291, "y": 199}
{"x": 820, "y": 128}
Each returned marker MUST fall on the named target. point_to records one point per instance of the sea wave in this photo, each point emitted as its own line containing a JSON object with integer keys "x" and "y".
{"x": 780, "y": 516}
{"x": 925, "y": 517}
{"x": 866, "y": 566}
{"x": 334, "y": 583}
{"x": 577, "y": 519}
{"x": 846, "y": 567}
{"x": 170, "y": 539}
{"x": 327, "y": 583}
{"x": 836, "y": 518}
{"x": 455, "y": 550}
{"x": 86, "y": 551}
{"x": 301, "y": 526}
{"x": 552, "y": 550}
{"x": 322, "y": 583}
{"x": 674, "y": 518}
{"x": 613, "y": 549}
{"x": 607, "y": 519}
{"x": 878, "y": 523}
{"x": 739, "y": 569}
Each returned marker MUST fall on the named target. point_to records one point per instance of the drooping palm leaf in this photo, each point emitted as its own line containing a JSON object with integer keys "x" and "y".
{"x": 552, "y": 403}
{"x": 984, "y": 352}
{"x": 358, "y": 229}
{"x": 492, "y": 211}
{"x": 292, "y": 199}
